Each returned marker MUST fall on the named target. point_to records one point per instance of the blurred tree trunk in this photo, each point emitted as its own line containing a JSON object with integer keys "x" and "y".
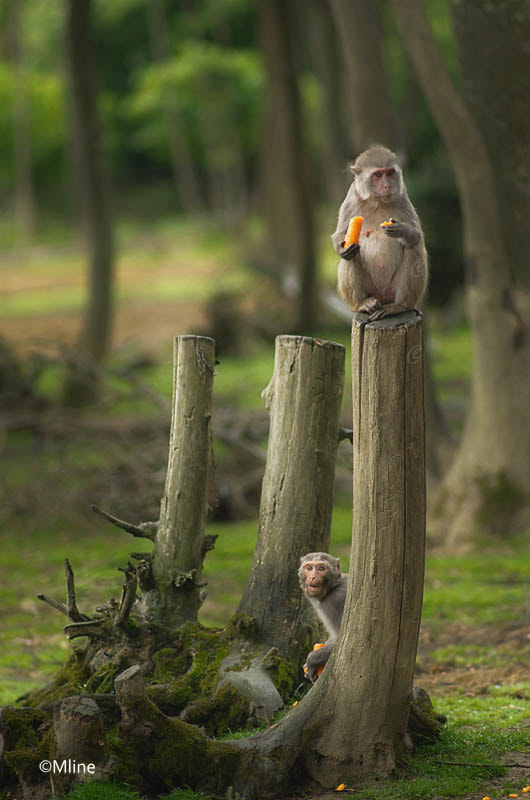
{"x": 360, "y": 31}
{"x": 289, "y": 203}
{"x": 488, "y": 138}
{"x": 24, "y": 194}
{"x": 93, "y": 185}
{"x": 439, "y": 444}
{"x": 186, "y": 181}
{"x": 329, "y": 66}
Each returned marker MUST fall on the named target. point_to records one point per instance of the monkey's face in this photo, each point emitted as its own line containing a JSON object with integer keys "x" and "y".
{"x": 385, "y": 183}
{"x": 316, "y": 578}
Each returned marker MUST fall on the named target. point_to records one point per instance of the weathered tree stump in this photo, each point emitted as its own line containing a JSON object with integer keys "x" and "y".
{"x": 375, "y": 656}
{"x": 353, "y": 722}
{"x": 303, "y": 399}
{"x": 178, "y": 552}
{"x": 273, "y": 620}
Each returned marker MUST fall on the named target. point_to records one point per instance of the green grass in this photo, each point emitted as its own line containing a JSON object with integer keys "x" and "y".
{"x": 478, "y": 588}
{"x": 103, "y": 790}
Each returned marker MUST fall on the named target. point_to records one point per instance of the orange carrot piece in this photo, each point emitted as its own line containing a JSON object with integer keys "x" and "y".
{"x": 354, "y": 231}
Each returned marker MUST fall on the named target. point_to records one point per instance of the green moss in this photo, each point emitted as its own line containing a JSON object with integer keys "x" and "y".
{"x": 241, "y": 626}
{"x": 102, "y": 680}
{"x": 25, "y": 741}
{"x": 189, "y": 669}
{"x": 169, "y": 664}
{"x": 284, "y": 675}
{"x": 68, "y": 681}
{"x": 225, "y": 711}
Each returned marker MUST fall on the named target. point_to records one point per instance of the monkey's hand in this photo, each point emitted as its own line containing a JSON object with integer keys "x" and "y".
{"x": 350, "y": 252}
{"x": 370, "y": 305}
{"x": 402, "y": 230}
{"x": 315, "y": 659}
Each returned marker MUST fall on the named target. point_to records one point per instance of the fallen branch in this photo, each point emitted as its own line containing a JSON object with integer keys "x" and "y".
{"x": 146, "y": 530}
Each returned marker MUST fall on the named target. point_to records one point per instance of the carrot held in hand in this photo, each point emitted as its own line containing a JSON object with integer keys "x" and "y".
{"x": 317, "y": 646}
{"x": 354, "y": 231}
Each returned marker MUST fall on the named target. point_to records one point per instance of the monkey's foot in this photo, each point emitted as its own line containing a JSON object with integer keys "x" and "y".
{"x": 370, "y": 305}
{"x": 387, "y": 311}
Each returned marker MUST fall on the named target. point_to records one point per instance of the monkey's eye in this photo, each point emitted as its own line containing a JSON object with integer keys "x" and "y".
{"x": 391, "y": 173}
{"x": 378, "y": 174}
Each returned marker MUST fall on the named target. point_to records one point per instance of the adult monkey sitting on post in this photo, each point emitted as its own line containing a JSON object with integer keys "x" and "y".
{"x": 386, "y": 273}
{"x": 324, "y": 585}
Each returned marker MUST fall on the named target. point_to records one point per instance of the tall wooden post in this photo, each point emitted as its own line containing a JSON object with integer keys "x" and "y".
{"x": 177, "y": 559}
{"x": 368, "y": 680}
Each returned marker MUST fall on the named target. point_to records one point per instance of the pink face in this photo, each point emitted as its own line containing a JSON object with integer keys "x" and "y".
{"x": 384, "y": 182}
{"x": 316, "y": 577}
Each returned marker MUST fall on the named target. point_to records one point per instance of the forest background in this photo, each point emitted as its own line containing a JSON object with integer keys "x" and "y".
{"x": 176, "y": 167}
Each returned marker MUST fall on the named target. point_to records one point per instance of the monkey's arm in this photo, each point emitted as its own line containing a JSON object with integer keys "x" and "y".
{"x": 409, "y": 233}
{"x": 346, "y": 212}
{"x": 316, "y": 658}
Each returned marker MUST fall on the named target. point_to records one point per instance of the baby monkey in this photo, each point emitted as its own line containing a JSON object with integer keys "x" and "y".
{"x": 386, "y": 273}
{"x": 325, "y": 587}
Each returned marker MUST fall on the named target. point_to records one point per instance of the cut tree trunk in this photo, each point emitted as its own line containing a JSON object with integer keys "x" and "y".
{"x": 178, "y": 552}
{"x": 352, "y": 725}
{"x": 303, "y": 399}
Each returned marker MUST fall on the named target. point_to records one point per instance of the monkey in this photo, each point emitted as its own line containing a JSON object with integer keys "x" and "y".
{"x": 324, "y": 585}
{"x": 386, "y": 273}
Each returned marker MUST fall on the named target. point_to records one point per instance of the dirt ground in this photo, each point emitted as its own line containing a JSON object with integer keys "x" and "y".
{"x": 440, "y": 678}
{"x": 140, "y": 327}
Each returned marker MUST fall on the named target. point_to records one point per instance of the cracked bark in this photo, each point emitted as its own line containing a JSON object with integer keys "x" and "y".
{"x": 303, "y": 398}
{"x": 179, "y": 538}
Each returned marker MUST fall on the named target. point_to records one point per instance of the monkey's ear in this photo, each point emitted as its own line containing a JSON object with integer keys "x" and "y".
{"x": 339, "y": 571}
{"x": 355, "y": 170}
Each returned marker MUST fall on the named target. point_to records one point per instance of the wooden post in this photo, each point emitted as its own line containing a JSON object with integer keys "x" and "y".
{"x": 383, "y": 608}
{"x": 177, "y": 559}
{"x": 368, "y": 680}
{"x": 303, "y": 399}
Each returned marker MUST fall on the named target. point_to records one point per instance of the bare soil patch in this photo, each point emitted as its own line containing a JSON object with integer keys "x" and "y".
{"x": 148, "y": 327}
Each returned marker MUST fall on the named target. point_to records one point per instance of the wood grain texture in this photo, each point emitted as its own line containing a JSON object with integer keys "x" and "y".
{"x": 177, "y": 560}
{"x": 304, "y": 399}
